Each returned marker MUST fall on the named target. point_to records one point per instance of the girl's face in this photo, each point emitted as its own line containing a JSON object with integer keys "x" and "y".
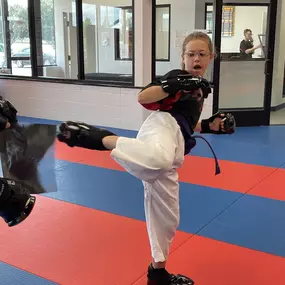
{"x": 197, "y": 57}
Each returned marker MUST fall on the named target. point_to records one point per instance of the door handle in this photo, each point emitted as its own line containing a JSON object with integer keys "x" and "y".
{"x": 267, "y": 66}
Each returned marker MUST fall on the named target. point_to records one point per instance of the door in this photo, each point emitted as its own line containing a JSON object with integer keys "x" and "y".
{"x": 244, "y": 36}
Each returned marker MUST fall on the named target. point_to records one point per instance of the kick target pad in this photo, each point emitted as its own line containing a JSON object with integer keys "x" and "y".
{"x": 28, "y": 156}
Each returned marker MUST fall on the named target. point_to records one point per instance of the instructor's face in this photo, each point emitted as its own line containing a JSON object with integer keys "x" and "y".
{"x": 248, "y": 36}
{"x": 197, "y": 57}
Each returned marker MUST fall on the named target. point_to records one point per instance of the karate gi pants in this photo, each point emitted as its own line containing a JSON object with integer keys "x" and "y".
{"x": 154, "y": 157}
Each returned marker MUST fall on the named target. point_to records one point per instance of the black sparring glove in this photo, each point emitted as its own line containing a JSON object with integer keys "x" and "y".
{"x": 82, "y": 135}
{"x": 16, "y": 204}
{"x": 228, "y": 120}
{"x": 8, "y": 113}
{"x": 186, "y": 82}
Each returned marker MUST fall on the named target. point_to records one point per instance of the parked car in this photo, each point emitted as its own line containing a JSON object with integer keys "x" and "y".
{"x": 48, "y": 57}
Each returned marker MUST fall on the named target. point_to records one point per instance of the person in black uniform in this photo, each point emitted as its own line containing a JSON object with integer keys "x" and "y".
{"x": 21, "y": 150}
{"x": 16, "y": 204}
{"x": 247, "y": 47}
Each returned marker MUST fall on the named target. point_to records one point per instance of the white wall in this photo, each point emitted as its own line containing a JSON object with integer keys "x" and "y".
{"x": 104, "y": 106}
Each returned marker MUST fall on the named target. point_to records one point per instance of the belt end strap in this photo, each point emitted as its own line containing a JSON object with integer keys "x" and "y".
{"x": 218, "y": 170}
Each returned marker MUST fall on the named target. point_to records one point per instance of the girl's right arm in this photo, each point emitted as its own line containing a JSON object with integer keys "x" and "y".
{"x": 152, "y": 94}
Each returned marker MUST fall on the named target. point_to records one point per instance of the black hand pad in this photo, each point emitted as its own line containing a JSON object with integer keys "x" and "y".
{"x": 7, "y": 111}
{"x": 16, "y": 204}
{"x": 82, "y": 135}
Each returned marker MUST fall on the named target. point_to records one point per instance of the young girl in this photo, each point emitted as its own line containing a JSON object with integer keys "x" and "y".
{"x": 161, "y": 144}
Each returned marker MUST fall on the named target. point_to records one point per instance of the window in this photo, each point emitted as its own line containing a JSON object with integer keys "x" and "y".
{"x": 15, "y": 38}
{"x": 108, "y": 41}
{"x": 174, "y": 21}
{"x": 162, "y": 33}
{"x": 57, "y": 39}
{"x": 123, "y": 33}
{"x": 60, "y": 47}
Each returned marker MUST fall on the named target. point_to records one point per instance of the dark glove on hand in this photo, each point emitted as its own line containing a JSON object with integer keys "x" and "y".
{"x": 8, "y": 113}
{"x": 186, "y": 82}
{"x": 82, "y": 135}
{"x": 229, "y": 124}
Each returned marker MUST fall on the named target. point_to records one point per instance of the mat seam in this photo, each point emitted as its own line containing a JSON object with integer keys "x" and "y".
{"x": 24, "y": 270}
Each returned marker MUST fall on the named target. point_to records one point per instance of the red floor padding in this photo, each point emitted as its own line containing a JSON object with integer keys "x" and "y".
{"x": 235, "y": 176}
{"x": 211, "y": 262}
{"x": 272, "y": 187}
{"x": 73, "y": 245}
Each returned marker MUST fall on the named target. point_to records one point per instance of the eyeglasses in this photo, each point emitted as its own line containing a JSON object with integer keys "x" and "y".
{"x": 200, "y": 54}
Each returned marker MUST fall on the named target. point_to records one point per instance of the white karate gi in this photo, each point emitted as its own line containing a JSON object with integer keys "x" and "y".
{"x": 154, "y": 157}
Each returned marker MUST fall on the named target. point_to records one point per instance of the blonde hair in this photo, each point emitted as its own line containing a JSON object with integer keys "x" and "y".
{"x": 196, "y": 36}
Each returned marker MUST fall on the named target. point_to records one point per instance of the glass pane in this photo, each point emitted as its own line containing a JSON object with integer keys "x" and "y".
{"x": 173, "y": 24}
{"x": 57, "y": 57}
{"x": 48, "y": 33}
{"x": 242, "y": 78}
{"x": 15, "y": 38}
{"x": 108, "y": 41}
{"x": 162, "y": 32}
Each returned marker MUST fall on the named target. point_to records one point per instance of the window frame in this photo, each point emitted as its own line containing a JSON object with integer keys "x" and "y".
{"x": 33, "y": 22}
{"x": 117, "y": 46}
{"x": 229, "y": 5}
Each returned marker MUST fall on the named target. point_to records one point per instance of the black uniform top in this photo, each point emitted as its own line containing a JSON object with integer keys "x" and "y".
{"x": 186, "y": 110}
{"x": 244, "y": 45}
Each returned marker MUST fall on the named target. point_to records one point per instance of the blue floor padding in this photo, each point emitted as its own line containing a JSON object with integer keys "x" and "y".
{"x": 14, "y": 276}
{"x": 253, "y": 145}
{"x": 252, "y": 222}
{"x": 120, "y": 193}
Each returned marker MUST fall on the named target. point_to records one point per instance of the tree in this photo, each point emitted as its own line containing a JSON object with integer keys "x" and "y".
{"x": 19, "y": 22}
{"x": 47, "y": 16}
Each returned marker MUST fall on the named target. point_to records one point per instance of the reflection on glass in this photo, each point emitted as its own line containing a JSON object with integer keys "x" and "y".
{"x": 57, "y": 31}
{"x": 48, "y": 33}
{"x": 162, "y": 32}
{"x": 242, "y": 78}
{"x": 15, "y": 38}
{"x": 108, "y": 41}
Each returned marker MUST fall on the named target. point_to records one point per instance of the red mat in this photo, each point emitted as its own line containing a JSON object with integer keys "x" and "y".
{"x": 210, "y": 262}
{"x": 271, "y": 187}
{"x": 235, "y": 176}
{"x": 73, "y": 245}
